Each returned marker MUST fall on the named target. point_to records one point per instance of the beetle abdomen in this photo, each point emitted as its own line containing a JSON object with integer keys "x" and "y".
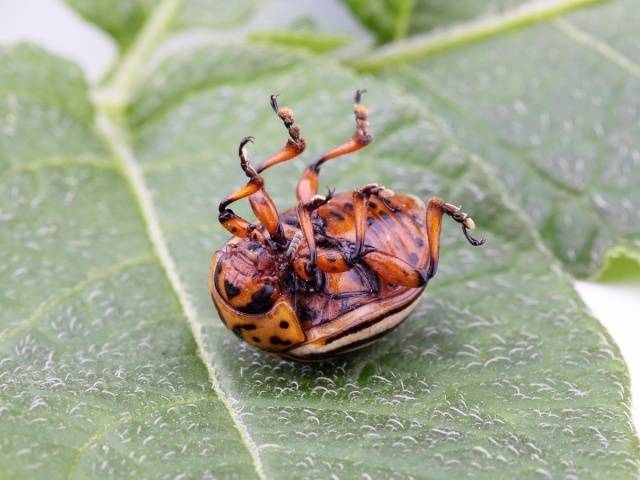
{"x": 356, "y": 329}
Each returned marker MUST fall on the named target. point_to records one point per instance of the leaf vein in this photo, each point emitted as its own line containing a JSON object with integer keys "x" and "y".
{"x": 48, "y": 305}
{"x": 133, "y": 174}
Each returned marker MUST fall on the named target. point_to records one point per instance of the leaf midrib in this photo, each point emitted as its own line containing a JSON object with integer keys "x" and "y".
{"x": 109, "y": 102}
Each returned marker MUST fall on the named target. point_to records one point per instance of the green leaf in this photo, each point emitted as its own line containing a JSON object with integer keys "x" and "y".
{"x": 123, "y": 19}
{"x": 106, "y": 241}
{"x": 552, "y": 107}
{"x": 310, "y": 40}
{"x": 396, "y": 19}
{"x": 100, "y": 375}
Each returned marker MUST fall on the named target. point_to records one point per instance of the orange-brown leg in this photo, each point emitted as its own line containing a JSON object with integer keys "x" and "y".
{"x": 436, "y": 208}
{"x": 395, "y": 270}
{"x": 360, "y": 208}
{"x": 308, "y": 184}
{"x": 307, "y": 188}
{"x": 295, "y": 144}
{"x": 261, "y": 203}
{"x": 304, "y": 211}
{"x": 263, "y": 206}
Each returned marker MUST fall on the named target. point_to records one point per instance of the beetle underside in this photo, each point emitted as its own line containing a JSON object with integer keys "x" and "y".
{"x": 335, "y": 272}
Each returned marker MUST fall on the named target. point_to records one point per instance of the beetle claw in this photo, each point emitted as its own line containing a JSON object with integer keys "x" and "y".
{"x": 274, "y": 102}
{"x": 473, "y": 241}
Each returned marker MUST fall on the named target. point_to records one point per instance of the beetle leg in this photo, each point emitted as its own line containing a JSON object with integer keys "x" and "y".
{"x": 360, "y": 208}
{"x": 261, "y": 204}
{"x": 305, "y": 211}
{"x": 396, "y": 270}
{"x": 294, "y": 146}
{"x": 436, "y": 208}
{"x": 308, "y": 184}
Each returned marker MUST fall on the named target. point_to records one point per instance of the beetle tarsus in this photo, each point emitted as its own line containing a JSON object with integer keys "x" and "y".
{"x": 274, "y": 102}
{"x": 473, "y": 241}
{"x": 467, "y": 223}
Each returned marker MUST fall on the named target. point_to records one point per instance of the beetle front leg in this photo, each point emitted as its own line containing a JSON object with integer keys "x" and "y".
{"x": 260, "y": 201}
{"x": 239, "y": 227}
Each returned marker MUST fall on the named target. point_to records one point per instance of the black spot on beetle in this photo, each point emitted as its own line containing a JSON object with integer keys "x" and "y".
{"x": 238, "y": 328}
{"x": 260, "y": 301}
{"x": 263, "y": 295}
{"x": 419, "y": 241}
{"x": 230, "y": 289}
{"x": 348, "y": 206}
{"x": 413, "y": 258}
{"x": 278, "y": 341}
{"x": 255, "y": 339}
{"x": 372, "y": 206}
{"x": 284, "y": 324}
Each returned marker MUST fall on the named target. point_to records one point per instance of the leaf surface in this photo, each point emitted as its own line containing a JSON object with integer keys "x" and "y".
{"x": 107, "y": 236}
{"x": 396, "y": 19}
{"x": 553, "y": 106}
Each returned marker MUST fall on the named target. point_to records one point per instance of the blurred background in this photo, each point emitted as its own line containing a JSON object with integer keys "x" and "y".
{"x": 54, "y": 26}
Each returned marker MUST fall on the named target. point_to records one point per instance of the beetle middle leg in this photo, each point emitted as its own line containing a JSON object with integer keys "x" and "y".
{"x": 308, "y": 183}
{"x": 360, "y": 208}
{"x": 295, "y": 144}
{"x": 307, "y": 188}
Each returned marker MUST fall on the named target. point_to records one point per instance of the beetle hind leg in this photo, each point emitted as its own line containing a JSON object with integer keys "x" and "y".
{"x": 436, "y": 208}
{"x": 397, "y": 271}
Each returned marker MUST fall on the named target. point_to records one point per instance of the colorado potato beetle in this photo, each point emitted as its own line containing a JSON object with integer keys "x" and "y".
{"x": 332, "y": 274}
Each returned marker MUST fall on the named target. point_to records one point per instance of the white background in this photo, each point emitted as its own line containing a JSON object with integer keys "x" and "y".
{"x": 52, "y": 25}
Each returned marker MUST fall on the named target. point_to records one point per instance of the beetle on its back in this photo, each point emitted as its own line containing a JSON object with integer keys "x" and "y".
{"x": 332, "y": 274}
